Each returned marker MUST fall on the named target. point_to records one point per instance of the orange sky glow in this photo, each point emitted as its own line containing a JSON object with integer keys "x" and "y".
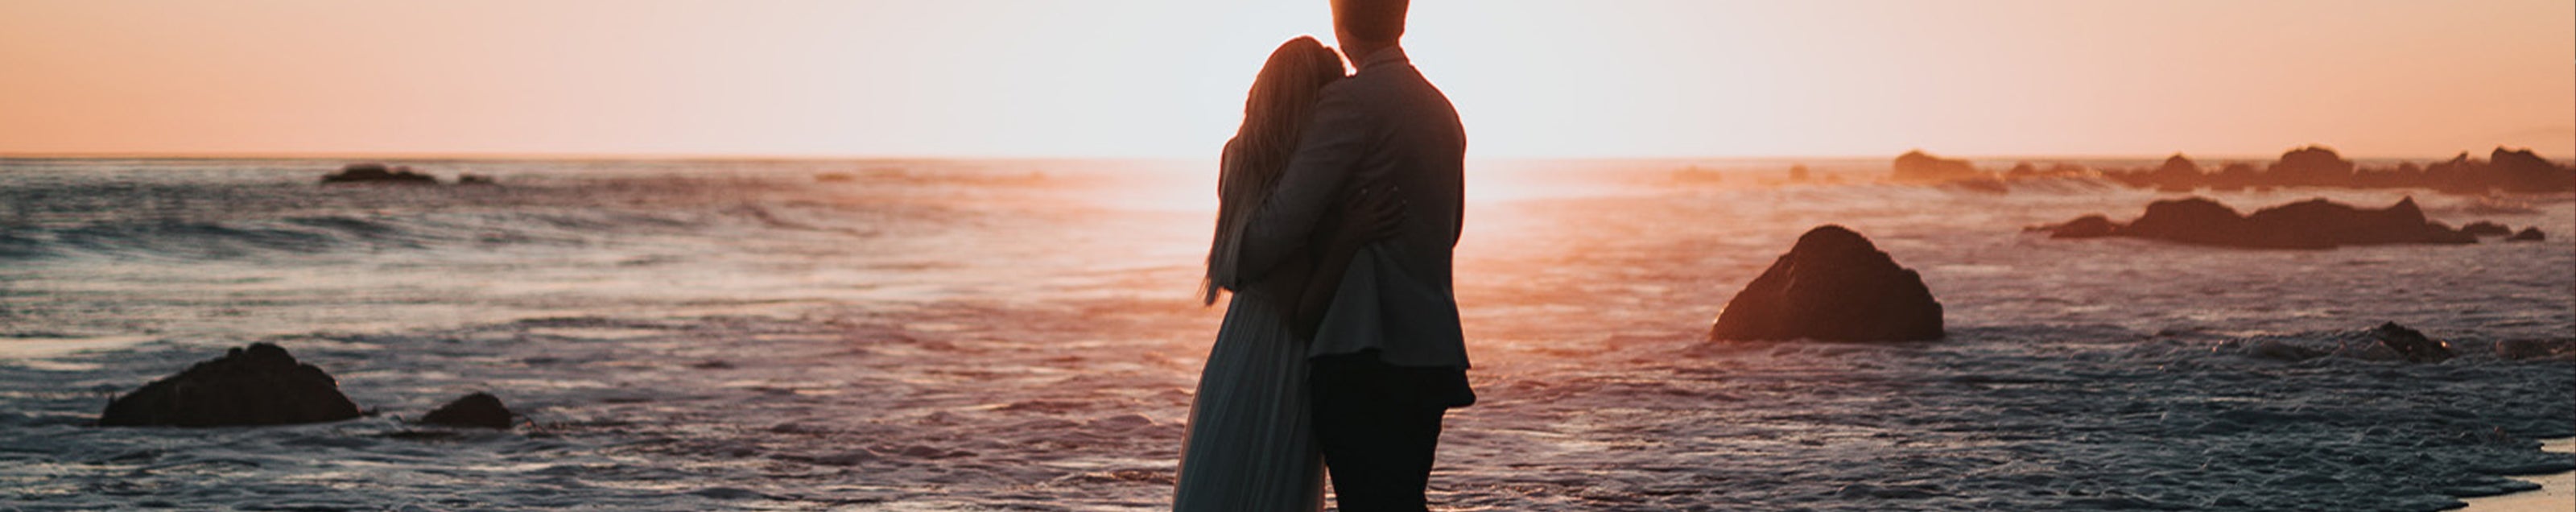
{"x": 1165, "y": 78}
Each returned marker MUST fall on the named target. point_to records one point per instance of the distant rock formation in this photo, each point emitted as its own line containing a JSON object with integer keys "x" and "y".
{"x": 1833, "y": 285}
{"x": 257, "y": 385}
{"x": 2508, "y": 170}
{"x": 474, "y": 179}
{"x": 2178, "y": 174}
{"x": 1919, "y": 167}
{"x": 477, "y": 410}
{"x": 2522, "y": 349}
{"x": 2529, "y": 234}
{"x": 2311, "y": 224}
{"x": 1798, "y": 173}
{"x": 2524, "y": 171}
{"x": 2089, "y": 226}
{"x": 378, "y": 173}
{"x": 2392, "y": 342}
{"x": 2484, "y": 228}
{"x": 2311, "y": 166}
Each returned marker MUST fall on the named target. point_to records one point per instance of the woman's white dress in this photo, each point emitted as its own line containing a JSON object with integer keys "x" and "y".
{"x": 1251, "y": 445}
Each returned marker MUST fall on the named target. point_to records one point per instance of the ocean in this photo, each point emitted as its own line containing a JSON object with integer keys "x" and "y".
{"x": 1023, "y": 335}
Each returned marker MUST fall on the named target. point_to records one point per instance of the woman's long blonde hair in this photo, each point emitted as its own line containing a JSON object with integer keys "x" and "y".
{"x": 1274, "y": 117}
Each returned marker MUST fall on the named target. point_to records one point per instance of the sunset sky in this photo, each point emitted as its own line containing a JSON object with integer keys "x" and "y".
{"x": 1165, "y": 78}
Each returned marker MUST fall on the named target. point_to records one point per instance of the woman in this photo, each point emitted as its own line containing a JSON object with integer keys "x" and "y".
{"x": 1251, "y": 447}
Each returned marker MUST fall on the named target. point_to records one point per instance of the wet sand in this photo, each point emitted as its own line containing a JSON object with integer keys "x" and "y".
{"x": 2557, "y": 491}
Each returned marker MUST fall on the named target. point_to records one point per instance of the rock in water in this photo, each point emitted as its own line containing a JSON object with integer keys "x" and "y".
{"x": 1834, "y": 285}
{"x": 2561, "y": 348}
{"x": 257, "y": 385}
{"x": 1919, "y": 167}
{"x": 2530, "y": 234}
{"x": 378, "y": 173}
{"x": 2411, "y": 344}
{"x": 481, "y": 410}
{"x": 2311, "y": 224}
{"x": 2485, "y": 228}
{"x": 2089, "y": 226}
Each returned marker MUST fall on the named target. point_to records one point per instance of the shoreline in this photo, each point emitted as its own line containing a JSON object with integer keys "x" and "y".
{"x": 2557, "y": 492}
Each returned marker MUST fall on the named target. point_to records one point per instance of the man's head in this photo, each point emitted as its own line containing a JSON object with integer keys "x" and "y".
{"x": 1365, "y": 26}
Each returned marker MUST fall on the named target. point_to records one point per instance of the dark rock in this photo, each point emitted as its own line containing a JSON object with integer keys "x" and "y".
{"x": 2524, "y": 171}
{"x": 1919, "y": 167}
{"x": 2089, "y": 226}
{"x": 2562, "y": 348}
{"x": 2327, "y": 223}
{"x": 1833, "y": 285}
{"x": 2312, "y": 165}
{"x": 2410, "y": 344}
{"x": 474, "y": 179}
{"x": 479, "y": 410}
{"x": 2235, "y": 176}
{"x": 2510, "y": 170}
{"x": 2276, "y": 350}
{"x": 2311, "y": 224}
{"x": 2484, "y": 228}
{"x": 2192, "y": 220}
{"x": 2530, "y": 234}
{"x": 257, "y": 385}
{"x": 2178, "y": 174}
{"x": 378, "y": 173}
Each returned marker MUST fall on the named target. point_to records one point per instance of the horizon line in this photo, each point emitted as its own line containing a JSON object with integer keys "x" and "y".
{"x": 470, "y": 155}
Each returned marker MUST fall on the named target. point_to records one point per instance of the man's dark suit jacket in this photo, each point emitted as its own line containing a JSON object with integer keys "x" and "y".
{"x": 1387, "y": 125}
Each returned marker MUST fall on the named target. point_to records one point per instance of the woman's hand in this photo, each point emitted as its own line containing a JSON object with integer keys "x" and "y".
{"x": 1375, "y": 212}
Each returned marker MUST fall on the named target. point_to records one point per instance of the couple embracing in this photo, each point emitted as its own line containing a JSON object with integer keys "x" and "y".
{"x": 1340, "y": 200}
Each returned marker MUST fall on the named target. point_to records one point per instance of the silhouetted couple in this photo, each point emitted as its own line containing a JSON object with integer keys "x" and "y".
{"x": 1340, "y": 204}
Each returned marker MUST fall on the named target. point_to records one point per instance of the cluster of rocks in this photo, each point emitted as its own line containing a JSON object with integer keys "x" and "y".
{"x": 2311, "y": 224}
{"x": 376, "y": 173}
{"x": 264, "y": 385}
{"x": 2486, "y": 228}
{"x": 2398, "y": 343}
{"x": 2504, "y": 169}
{"x": 1833, "y": 285}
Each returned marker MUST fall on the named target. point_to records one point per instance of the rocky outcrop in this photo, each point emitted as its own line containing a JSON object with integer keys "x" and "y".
{"x": 2525, "y": 349}
{"x": 256, "y": 385}
{"x": 1833, "y": 285}
{"x": 1919, "y": 167}
{"x": 2484, "y": 228}
{"x": 2530, "y": 234}
{"x": 2312, "y": 165}
{"x": 2505, "y": 169}
{"x": 2392, "y": 342}
{"x": 378, "y": 173}
{"x": 2089, "y": 226}
{"x": 2311, "y": 224}
{"x": 2178, "y": 174}
{"x": 2521, "y": 170}
{"x": 478, "y": 410}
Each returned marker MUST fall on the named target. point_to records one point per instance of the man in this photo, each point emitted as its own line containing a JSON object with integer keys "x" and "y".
{"x": 1389, "y": 359}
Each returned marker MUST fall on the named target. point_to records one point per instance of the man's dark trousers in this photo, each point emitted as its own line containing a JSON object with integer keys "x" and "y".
{"x": 1379, "y": 424}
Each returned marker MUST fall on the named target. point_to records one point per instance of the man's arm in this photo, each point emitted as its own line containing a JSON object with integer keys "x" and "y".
{"x": 1336, "y": 138}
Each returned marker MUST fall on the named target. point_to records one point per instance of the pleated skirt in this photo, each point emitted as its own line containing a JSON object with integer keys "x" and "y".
{"x": 1251, "y": 444}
